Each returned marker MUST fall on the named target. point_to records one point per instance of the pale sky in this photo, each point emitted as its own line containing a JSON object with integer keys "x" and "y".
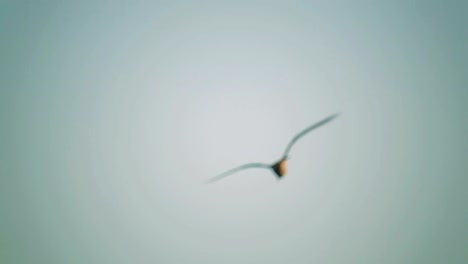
{"x": 114, "y": 113}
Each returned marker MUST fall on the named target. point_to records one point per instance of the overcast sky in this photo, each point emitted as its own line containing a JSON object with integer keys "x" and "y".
{"x": 114, "y": 113}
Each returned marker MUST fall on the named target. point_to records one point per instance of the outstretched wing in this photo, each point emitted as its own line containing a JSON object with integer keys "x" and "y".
{"x": 236, "y": 169}
{"x": 307, "y": 130}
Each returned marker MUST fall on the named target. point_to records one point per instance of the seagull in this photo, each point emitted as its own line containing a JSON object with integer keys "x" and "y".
{"x": 280, "y": 168}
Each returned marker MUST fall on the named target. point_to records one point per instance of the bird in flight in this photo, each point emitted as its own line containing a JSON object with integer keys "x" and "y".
{"x": 280, "y": 167}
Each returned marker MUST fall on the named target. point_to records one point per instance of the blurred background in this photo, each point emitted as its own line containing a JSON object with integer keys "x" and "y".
{"x": 114, "y": 113}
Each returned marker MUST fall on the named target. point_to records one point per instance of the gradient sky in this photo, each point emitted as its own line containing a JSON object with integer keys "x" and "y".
{"x": 113, "y": 113}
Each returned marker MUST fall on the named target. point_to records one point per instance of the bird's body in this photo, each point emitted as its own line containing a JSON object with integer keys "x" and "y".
{"x": 280, "y": 168}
